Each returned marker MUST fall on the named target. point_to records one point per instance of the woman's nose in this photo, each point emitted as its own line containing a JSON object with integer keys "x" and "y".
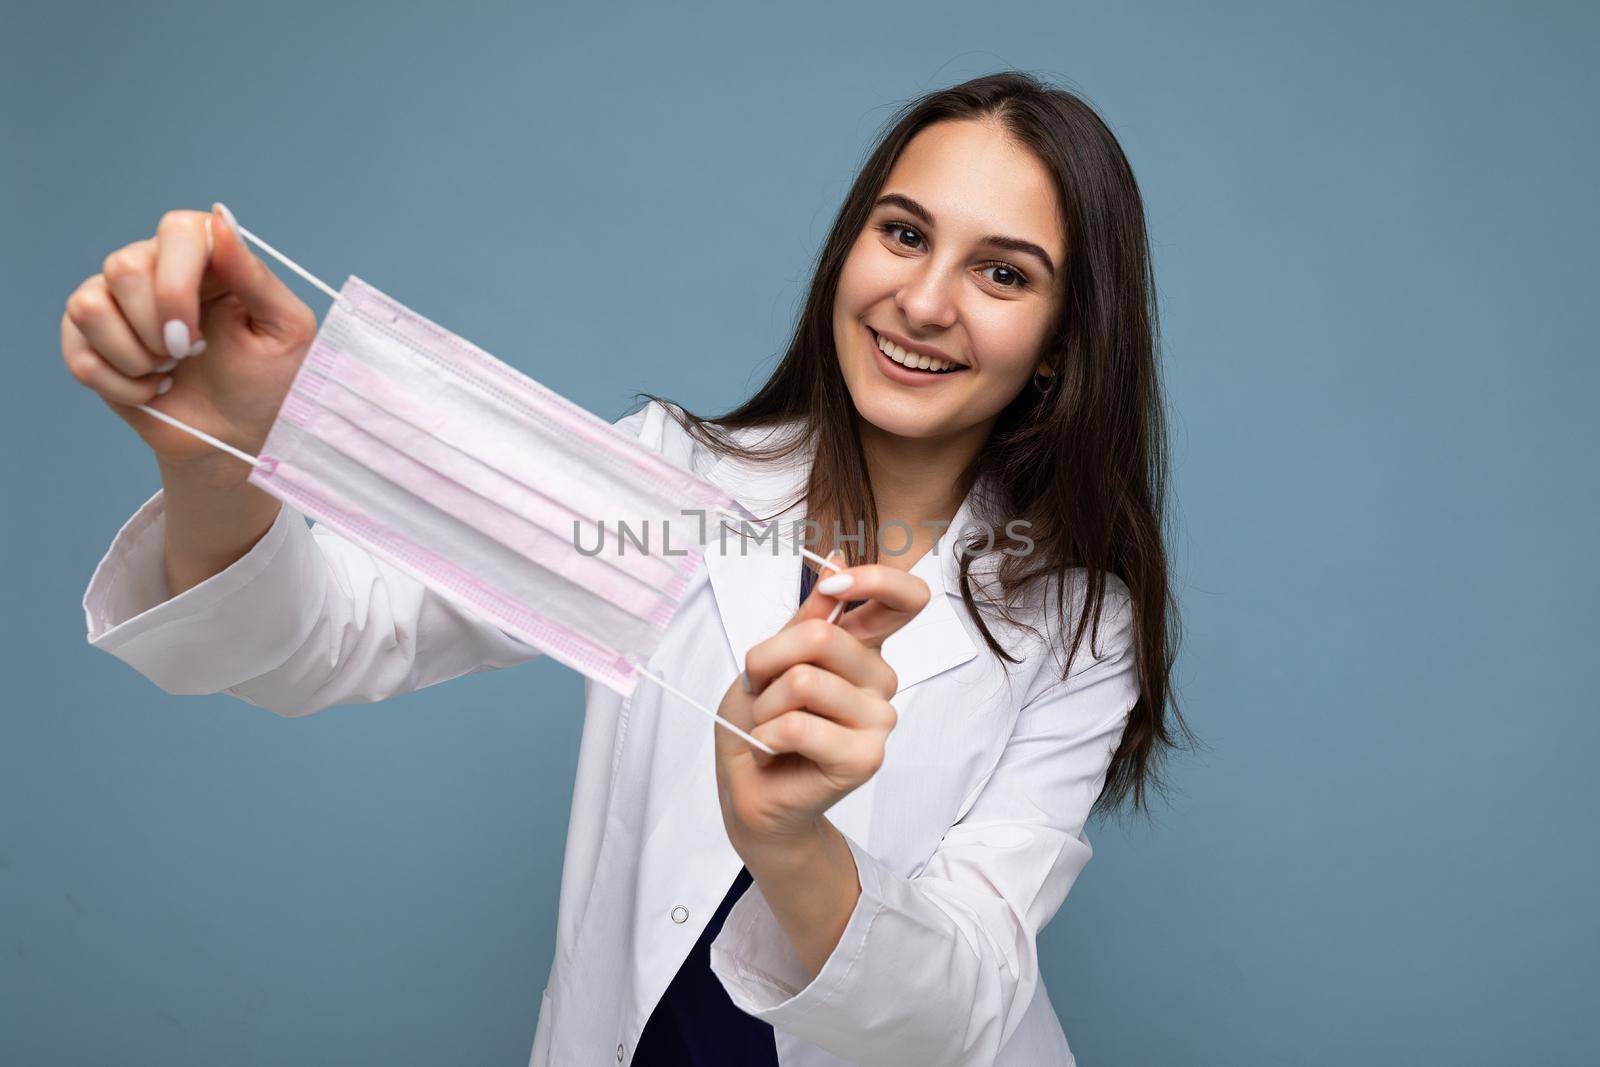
{"x": 928, "y": 297}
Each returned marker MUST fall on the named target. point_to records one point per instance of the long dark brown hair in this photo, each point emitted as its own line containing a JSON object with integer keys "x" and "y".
{"x": 1083, "y": 460}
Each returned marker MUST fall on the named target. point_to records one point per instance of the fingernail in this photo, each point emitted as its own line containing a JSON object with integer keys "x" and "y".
{"x": 168, "y": 365}
{"x": 233, "y": 223}
{"x": 199, "y": 347}
{"x": 835, "y": 584}
{"x": 177, "y": 338}
{"x": 744, "y": 679}
{"x": 166, "y": 383}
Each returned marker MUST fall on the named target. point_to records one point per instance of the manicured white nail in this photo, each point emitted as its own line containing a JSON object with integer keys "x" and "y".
{"x": 198, "y": 347}
{"x": 166, "y": 383}
{"x": 835, "y": 584}
{"x": 168, "y": 365}
{"x": 744, "y": 678}
{"x": 176, "y": 334}
{"x": 233, "y": 223}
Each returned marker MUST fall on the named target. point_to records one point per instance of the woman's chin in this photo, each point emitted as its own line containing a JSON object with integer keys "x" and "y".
{"x": 908, "y": 419}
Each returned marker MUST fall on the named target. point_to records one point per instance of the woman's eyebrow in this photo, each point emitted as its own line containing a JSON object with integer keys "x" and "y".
{"x": 1014, "y": 244}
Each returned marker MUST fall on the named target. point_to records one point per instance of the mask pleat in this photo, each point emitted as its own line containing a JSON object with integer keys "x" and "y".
{"x": 599, "y": 443}
{"x": 454, "y": 559}
{"x": 496, "y": 516}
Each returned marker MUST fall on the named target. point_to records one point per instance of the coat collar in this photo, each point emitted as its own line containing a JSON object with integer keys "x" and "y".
{"x": 757, "y": 582}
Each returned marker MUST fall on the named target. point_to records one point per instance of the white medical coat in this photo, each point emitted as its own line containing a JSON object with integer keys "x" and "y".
{"x": 966, "y": 840}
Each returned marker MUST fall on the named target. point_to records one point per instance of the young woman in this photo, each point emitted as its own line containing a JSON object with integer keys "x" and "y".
{"x": 968, "y": 412}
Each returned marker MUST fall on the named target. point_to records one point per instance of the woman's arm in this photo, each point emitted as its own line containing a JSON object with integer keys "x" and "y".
{"x": 303, "y": 621}
{"x": 939, "y": 968}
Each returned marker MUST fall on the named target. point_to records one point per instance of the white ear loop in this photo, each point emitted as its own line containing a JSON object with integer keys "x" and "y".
{"x": 833, "y": 616}
{"x": 257, "y": 461}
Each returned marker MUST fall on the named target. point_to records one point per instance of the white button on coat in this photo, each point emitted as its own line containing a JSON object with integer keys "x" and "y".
{"x": 966, "y": 840}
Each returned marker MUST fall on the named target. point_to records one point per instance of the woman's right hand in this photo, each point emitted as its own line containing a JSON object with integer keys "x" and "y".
{"x": 124, "y": 332}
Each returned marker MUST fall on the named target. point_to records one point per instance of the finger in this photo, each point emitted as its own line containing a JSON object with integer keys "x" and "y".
{"x": 130, "y": 275}
{"x": 100, "y": 321}
{"x": 819, "y": 605}
{"x": 808, "y": 687}
{"x": 894, "y": 597}
{"x": 182, "y": 252}
{"x": 814, "y": 641}
{"x": 85, "y": 364}
{"x": 872, "y": 624}
{"x": 854, "y": 755}
{"x": 272, "y": 306}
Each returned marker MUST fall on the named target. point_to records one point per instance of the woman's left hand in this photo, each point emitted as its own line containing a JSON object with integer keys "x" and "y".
{"x": 819, "y": 694}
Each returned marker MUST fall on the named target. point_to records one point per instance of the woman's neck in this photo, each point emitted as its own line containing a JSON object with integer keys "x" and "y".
{"x": 918, "y": 482}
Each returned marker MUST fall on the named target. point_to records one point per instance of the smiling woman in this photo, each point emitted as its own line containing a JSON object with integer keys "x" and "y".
{"x": 978, "y": 342}
{"x": 976, "y": 352}
{"x": 981, "y": 328}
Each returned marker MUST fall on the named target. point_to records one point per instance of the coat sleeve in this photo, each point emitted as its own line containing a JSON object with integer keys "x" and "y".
{"x": 305, "y": 620}
{"x": 939, "y": 967}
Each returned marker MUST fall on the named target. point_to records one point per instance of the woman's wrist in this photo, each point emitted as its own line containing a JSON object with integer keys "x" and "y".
{"x": 812, "y": 886}
{"x": 212, "y": 520}
{"x": 785, "y": 854}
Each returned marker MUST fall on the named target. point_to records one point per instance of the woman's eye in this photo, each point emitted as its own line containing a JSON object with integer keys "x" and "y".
{"x": 889, "y": 227}
{"x": 1017, "y": 280}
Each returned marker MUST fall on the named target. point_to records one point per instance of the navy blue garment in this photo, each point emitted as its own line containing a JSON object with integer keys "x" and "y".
{"x": 695, "y": 1023}
{"x": 808, "y": 578}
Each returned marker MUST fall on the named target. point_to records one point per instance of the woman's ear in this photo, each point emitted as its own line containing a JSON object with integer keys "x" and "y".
{"x": 1044, "y": 378}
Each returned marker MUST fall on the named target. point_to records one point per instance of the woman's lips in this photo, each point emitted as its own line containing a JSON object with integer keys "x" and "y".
{"x": 905, "y": 375}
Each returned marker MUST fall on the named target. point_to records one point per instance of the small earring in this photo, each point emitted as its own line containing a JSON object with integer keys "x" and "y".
{"x": 1043, "y": 382}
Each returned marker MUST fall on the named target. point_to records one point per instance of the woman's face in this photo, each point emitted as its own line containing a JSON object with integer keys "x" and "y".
{"x": 942, "y": 270}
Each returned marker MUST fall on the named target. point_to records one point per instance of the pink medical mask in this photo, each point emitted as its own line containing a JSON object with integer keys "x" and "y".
{"x": 489, "y": 488}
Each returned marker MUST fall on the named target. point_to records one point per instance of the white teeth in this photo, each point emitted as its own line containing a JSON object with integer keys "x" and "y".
{"x": 908, "y": 359}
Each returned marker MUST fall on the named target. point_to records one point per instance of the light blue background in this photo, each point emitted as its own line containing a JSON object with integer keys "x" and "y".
{"x": 1375, "y": 234}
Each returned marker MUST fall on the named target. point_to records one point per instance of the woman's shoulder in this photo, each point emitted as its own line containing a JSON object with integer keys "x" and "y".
{"x": 1035, "y": 622}
{"x": 664, "y": 427}
{"x": 655, "y": 426}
